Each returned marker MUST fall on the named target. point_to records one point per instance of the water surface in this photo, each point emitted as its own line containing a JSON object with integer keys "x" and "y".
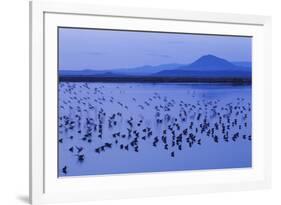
{"x": 112, "y": 128}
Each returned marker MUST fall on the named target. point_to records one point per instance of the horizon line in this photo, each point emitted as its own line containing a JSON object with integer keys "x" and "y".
{"x": 148, "y": 65}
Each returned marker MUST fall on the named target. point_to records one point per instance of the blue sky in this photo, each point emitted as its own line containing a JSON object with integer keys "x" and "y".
{"x": 81, "y": 49}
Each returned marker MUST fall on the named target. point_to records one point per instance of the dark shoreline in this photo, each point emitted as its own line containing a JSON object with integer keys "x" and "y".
{"x": 146, "y": 79}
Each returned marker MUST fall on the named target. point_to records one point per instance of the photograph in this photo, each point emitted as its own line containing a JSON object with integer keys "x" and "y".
{"x": 150, "y": 101}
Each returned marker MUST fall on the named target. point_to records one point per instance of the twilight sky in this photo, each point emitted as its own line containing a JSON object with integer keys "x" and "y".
{"x": 81, "y": 49}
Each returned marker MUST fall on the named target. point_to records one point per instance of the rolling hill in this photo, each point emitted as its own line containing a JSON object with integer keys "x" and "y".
{"x": 206, "y": 67}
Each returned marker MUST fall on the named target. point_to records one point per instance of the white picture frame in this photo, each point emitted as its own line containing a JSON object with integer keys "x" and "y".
{"x": 45, "y": 187}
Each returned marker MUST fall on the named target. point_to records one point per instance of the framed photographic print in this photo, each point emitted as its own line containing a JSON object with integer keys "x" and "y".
{"x": 129, "y": 102}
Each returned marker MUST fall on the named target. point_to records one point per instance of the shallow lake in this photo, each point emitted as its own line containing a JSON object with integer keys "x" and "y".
{"x": 112, "y": 128}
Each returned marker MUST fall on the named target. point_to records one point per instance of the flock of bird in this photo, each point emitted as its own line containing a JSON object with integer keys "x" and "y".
{"x": 100, "y": 121}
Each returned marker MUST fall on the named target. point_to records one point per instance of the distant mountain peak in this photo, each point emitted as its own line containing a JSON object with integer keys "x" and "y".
{"x": 208, "y": 66}
{"x": 210, "y": 57}
{"x": 211, "y": 61}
